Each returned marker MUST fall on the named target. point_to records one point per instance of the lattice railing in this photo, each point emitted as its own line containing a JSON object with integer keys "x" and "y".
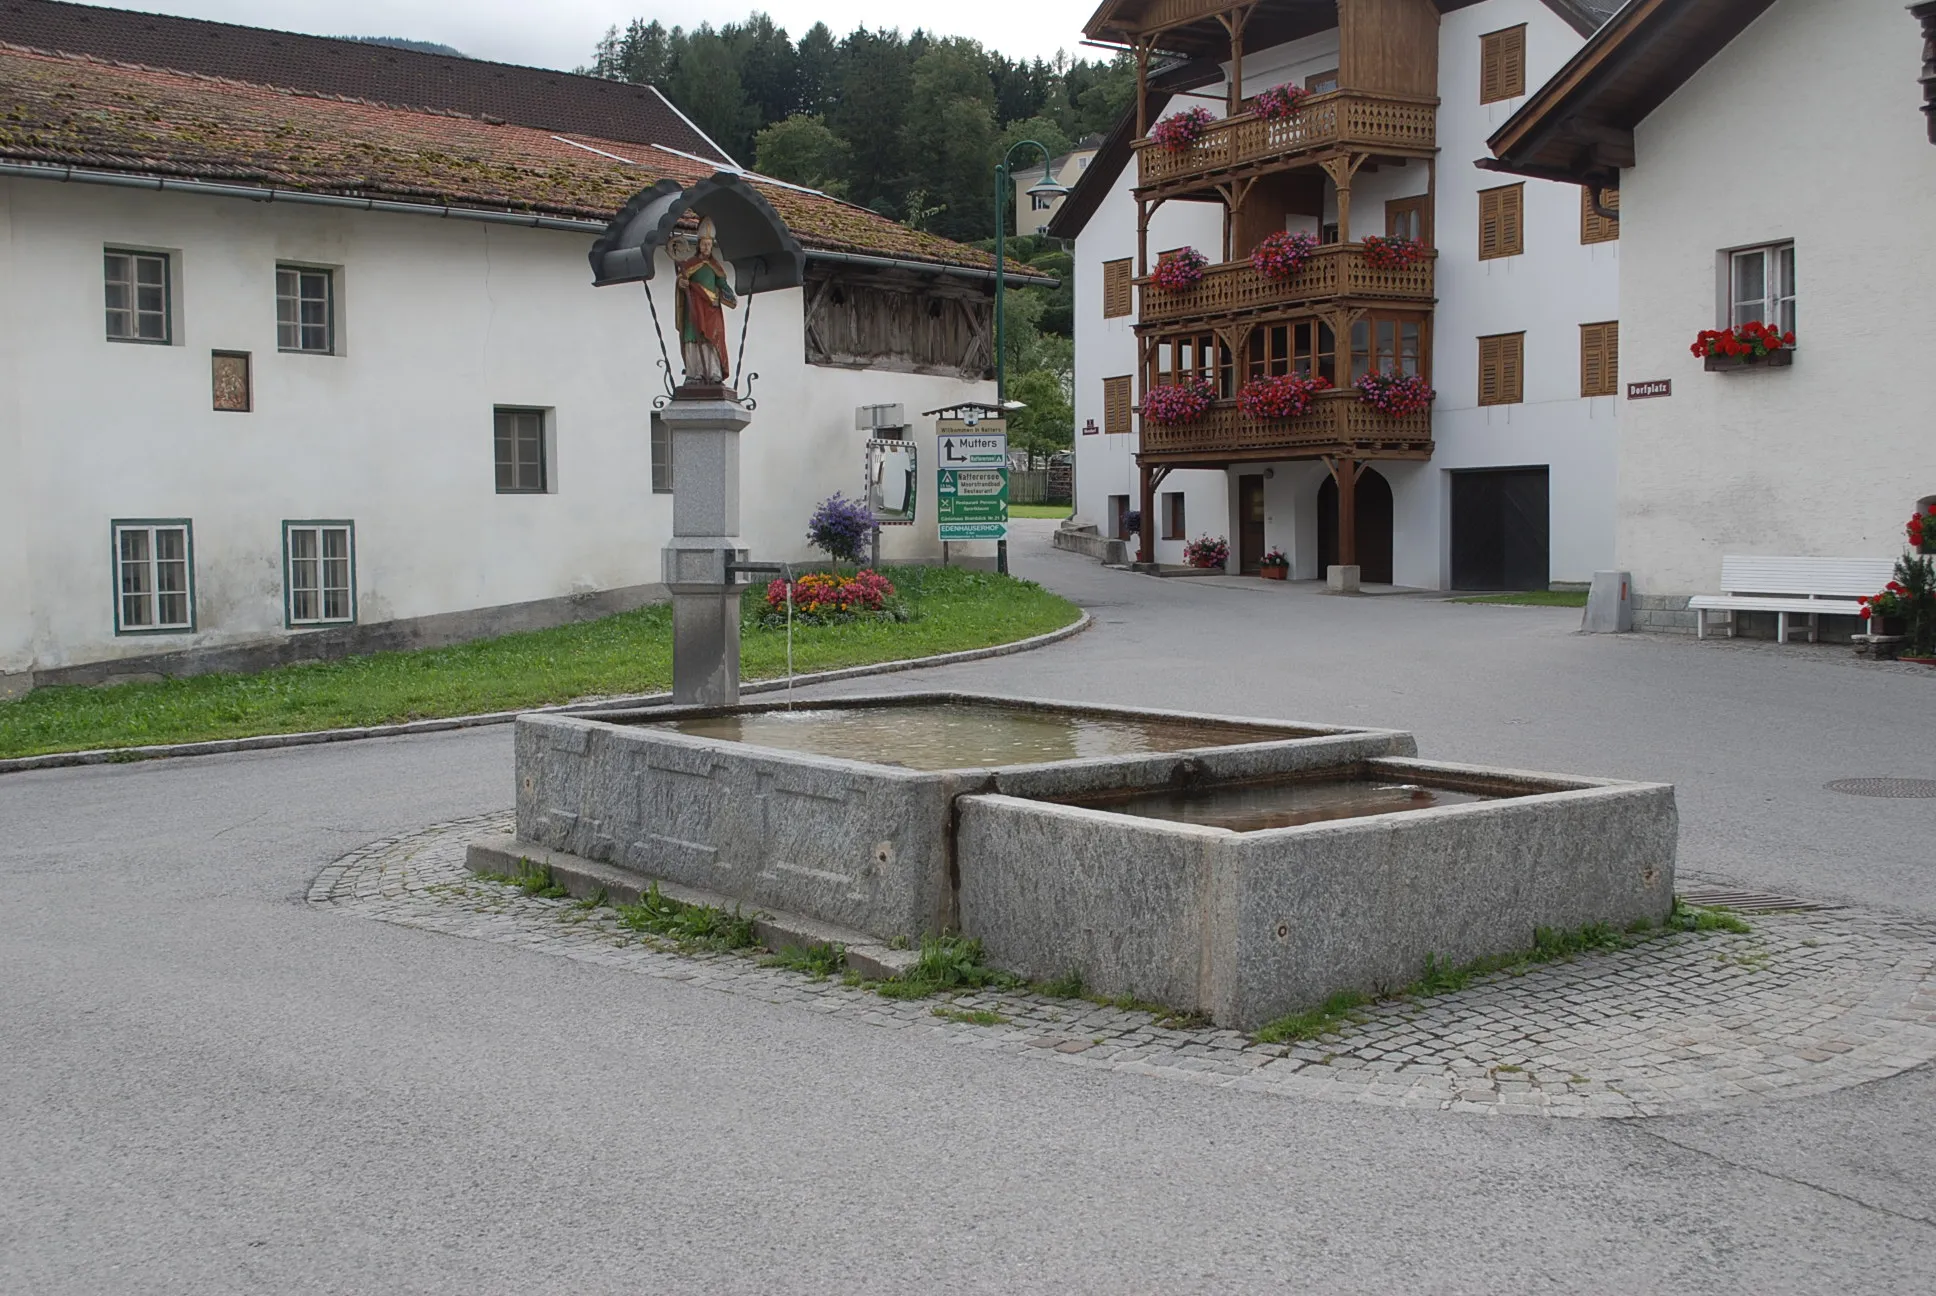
{"x": 1341, "y": 119}
{"x": 1336, "y": 422}
{"x": 1337, "y": 270}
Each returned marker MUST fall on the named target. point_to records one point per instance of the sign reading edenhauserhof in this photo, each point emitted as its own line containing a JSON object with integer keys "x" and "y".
{"x": 971, "y": 485}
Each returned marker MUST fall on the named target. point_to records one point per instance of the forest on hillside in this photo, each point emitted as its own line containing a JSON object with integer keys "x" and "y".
{"x": 909, "y": 126}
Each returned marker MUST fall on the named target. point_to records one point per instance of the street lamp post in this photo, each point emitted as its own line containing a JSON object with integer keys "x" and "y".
{"x": 1049, "y": 187}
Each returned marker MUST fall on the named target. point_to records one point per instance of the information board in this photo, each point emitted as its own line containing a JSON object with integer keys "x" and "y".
{"x": 971, "y": 486}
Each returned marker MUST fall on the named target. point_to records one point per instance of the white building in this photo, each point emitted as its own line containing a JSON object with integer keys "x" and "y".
{"x": 1507, "y": 480}
{"x": 284, "y": 375}
{"x": 1736, "y": 202}
{"x": 1033, "y": 212}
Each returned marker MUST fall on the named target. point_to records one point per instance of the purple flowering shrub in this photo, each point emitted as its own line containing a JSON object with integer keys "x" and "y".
{"x": 840, "y": 526}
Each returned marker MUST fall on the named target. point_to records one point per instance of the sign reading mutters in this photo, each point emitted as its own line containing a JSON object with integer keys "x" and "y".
{"x": 1649, "y": 390}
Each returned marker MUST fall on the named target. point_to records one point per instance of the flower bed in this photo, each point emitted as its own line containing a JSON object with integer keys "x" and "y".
{"x": 1395, "y": 394}
{"x": 1922, "y": 531}
{"x": 1911, "y": 597}
{"x": 830, "y": 596}
{"x": 1178, "y": 270}
{"x": 1394, "y": 253}
{"x": 1179, "y": 132}
{"x": 1179, "y": 402}
{"x": 1748, "y": 343}
{"x": 1283, "y": 254}
{"x": 1206, "y": 552}
{"x": 1283, "y": 397}
{"x": 1279, "y": 102}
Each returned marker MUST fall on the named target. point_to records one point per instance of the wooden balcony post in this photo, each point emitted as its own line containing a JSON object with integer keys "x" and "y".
{"x": 1343, "y": 170}
{"x": 1233, "y": 22}
{"x": 1142, "y": 88}
{"x": 1345, "y": 472}
{"x": 1146, "y": 533}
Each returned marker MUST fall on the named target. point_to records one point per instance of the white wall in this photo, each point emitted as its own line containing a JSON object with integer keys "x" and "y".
{"x": 1826, "y": 458}
{"x": 1548, "y": 293}
{"x": 440, "y": 321}
{"x": 16, "y": 610}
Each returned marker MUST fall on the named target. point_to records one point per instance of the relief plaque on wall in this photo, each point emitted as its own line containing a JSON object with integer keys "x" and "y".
{"x": 231, "y": 381}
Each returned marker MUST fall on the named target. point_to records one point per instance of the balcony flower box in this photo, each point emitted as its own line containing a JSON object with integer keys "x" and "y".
{"x": 1180, "y": 271}
{"x": 1280, "y": 256}
{"x": 1274, "y": 566}
{"x": 1753, "y": 345}
{"x": 1395, "y": 394}
{"x": 1180, "y": 402}
{"x": 1279, "y": 103}
{"x": 1179, "y": 132}
{"x": 1394, "y": 253}
{"x": 1284, "y": 397}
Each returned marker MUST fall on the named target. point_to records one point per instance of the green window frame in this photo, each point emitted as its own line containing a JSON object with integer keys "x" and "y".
{"x": 318, "y": 573}
{"x": 153, "y": 566}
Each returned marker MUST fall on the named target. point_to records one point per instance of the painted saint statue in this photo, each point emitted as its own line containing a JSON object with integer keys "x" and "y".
{"x": 705, "y": 294}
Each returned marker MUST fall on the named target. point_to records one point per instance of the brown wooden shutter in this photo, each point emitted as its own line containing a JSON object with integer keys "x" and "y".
{"x": 1117, "y": 294}
{"x": 1115, "y": 404}
{"x": 1595, "y": 228}
{"x": 1502, "y": 64}
{"x": 1600, "y": 359}
{"x": 1502, "y": 222}
{"x": 1502, "y": 363}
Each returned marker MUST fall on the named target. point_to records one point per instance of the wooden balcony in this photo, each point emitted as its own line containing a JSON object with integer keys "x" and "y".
{"x": 1338, "y": 423}
{"x": 1347, "y": 121}
{"x": 1336, "y": 272}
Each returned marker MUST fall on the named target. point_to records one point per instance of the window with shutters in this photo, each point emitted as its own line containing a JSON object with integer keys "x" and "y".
{"x": 1600, "y": 359}
{"x": 1409, "y": 218}
{"x": 1117, "y": 295}
{"x": 1502, "y": 64}
{"x": 1595, "y": 228}
{"x": 1502, "y": 369}
{"x": 1117, "y": 396}
{"x": 1502, "y": 222}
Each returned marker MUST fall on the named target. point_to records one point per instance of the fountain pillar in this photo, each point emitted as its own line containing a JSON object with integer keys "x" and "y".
{"x": 704, "y": 428}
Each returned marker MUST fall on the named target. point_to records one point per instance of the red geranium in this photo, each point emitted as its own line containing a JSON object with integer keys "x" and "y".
{"x": 1282, "y": 255}
{"x": 1753, "y": 340}
{"x": 1394, "y": 253}
{"x": 1178, "y": 270}
{"x": 1179, "y": 402}
{"x": 1179, "y": 132}
{"x": 1282, "y": 397}
{"x": 1279, "y": 102}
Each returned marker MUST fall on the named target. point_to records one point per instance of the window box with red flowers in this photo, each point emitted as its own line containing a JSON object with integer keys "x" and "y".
{"x": 1394, "y": 253}
{"x": 1395, "y": 394}
{"x": 1281, "y": 255}
{"x": 1283, "y": 397}
{"x": 1179, "y": 132}
{"x": 1179, "y": 271}
{"x": 1274, "y": 565}
{"x": 1279, "y": 103}
{"x": 1179, "y": 402}
{"x": 1753, "y": 345}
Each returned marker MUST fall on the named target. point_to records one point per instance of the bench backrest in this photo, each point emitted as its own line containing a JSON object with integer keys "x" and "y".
{"x": 1838, "y": 577}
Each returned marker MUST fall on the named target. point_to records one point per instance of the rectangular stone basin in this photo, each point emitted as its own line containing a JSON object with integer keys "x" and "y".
{"x": 844, "y": 811}
{"x": 1195, "y": 897}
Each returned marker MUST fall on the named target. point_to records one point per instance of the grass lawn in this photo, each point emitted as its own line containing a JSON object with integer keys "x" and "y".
{"x": 949, "y": 609}
{"x": 1533, "y": 598}
{"x": 1040, "y": 510}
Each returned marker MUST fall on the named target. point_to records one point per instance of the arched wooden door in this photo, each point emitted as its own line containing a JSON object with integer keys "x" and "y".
{"x": 1374, "y": 527}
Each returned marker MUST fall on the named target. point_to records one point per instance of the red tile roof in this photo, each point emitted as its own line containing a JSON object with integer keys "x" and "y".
{"x": 82, "y": 112}
{"x": 539, "y": 97}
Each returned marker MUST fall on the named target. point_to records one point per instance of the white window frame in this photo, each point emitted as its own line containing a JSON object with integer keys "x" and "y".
{"x": 131, "y": 283}
{"x": 543, "y": 465}
{"x": 314, "y": 579}
{"x": 294, "y": 333}
{"x": 1771, "y": 305}
{"x": 142, "y": 575}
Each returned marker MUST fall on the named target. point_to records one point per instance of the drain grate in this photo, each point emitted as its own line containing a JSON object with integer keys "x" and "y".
{"x": 1900, "y": 788}
{"x": 1751, "y": 902}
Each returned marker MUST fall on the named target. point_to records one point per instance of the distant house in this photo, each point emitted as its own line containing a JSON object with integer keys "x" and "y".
{"x": 1034, "y": 211}
{"x": 1735, "y": 206}
{"x": 1350, "y": 127}
{"x": 287, "y": 372}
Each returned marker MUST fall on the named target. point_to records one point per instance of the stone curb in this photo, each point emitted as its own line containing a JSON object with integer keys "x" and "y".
{"x": 506, "y": 857}
{"x": 266, "y": 742}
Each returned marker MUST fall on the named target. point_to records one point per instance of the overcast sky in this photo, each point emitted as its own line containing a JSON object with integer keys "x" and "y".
{"x": 561, "y": 33}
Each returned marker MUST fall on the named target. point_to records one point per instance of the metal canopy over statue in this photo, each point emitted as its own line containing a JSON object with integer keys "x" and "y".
{"x": 726, "y": 244}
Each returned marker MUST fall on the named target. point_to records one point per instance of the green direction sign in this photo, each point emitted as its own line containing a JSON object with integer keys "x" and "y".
{"x": 972, "y": 487}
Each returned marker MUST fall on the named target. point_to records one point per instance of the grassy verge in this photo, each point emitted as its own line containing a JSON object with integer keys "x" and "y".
{"x": 1531, "y": 598}
{"x": 948, "y": 609}
{"x": 1548, "y": 947}
{"x": 1040, "y": 510}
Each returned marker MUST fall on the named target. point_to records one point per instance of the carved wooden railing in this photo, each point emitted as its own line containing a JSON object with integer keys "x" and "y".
{"x": 1342, "y": 119}
{"x": 1335, "y": 270}
{"x": 1336, "y": 422}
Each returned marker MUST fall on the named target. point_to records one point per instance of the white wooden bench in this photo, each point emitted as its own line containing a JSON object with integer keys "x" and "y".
{"x": 1810, "y": 587}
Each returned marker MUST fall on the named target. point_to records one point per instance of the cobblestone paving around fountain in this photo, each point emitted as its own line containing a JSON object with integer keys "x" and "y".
{"x": 1805, "y": 1004}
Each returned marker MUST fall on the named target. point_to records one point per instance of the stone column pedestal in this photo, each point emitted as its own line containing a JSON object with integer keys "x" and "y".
{"x": 1341, "y": 580}
{"x": 704, "y": 432}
